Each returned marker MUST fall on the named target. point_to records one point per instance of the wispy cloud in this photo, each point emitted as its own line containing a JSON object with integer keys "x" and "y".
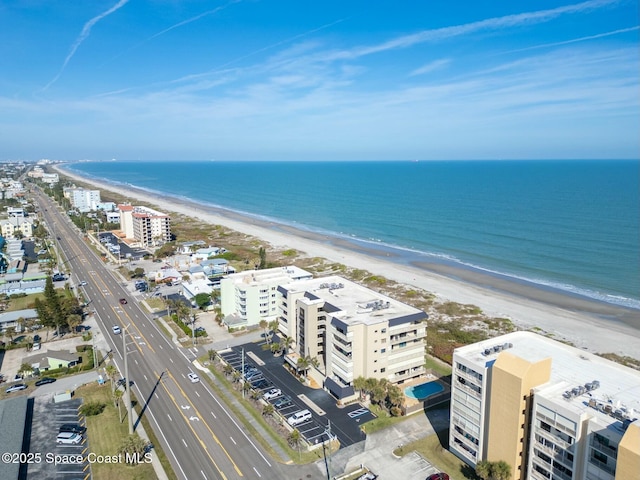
{"x": 86, "y": 30}
{"x": 495, "y": 23}
{"x": 431, "y": 66}
{"x": 575, "y": 40}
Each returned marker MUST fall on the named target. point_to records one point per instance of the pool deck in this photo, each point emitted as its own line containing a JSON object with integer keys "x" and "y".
{"x": 412, "y": 405}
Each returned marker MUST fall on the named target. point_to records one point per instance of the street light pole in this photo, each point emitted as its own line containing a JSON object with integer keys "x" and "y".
{"x": 127, "y": 389}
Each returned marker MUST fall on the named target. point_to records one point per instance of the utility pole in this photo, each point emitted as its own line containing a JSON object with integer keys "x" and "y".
{"x": 242, "y": 377}
{"x": 327, "y": 460}
{"x": 127, "y": 389}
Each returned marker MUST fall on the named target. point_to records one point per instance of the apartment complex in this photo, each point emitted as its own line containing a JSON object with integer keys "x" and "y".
{"x": 551, "y": 411}
{"x": 352, "y": 331}
{"x": 83, "y": 200}
{"x": 250, "y": 296}
{"x": 16, "y": 227}
{"x": 147, "y": 226}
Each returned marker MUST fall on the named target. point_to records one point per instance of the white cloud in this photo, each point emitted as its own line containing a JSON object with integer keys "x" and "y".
{"x": 431, "y": 66}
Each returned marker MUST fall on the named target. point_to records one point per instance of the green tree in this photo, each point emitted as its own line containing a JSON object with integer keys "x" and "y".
{"x": 273, "y": 327}
{"x": 264, "y": 325}
{"x": 10, "y": 333}
{"x": 74, "y": 320}
{"x": 133, "y": 449}
{"x": 268, "y": 409}
{"x": 117, "y": 400}
{"x": 501, "y": 470}
{"x": 483, "y": 470}
{"x": 202, "y": 300}
{"x": 263, "y": 258}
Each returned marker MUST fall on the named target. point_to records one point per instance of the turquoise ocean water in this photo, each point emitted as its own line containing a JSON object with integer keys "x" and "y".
{"x": 567, "y": 225}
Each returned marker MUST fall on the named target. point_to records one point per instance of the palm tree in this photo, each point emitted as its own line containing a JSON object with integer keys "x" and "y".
{"x": 303, "y": 365}
{"x": 276, "y": 348}
{"x": 268, "y": 409}
{"x": 264, "y": 325}
{"x": 483, "y": 470}
{"x": 295, "y": 440}
{"x": 227, "y": 369}
{"x": 501, "y": 470}
{"x": 111, "y": 372}
{"x": 273, "y": 327}
{"x": 10, "y": 332}
{"x": 287, "y": 343}
{"x": 117, "y": 397}
{"x": 360, "y": 384}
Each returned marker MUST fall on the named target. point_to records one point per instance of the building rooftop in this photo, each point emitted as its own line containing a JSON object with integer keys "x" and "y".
{"x": 582, "y": 381}
{"x": 270, "y": 275}
{"x": 354, "y": 303}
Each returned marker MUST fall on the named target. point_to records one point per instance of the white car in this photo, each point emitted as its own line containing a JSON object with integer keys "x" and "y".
{"x": 82, "y": 283}
{"x": 299, "y": 417}
{"x": 116, "y": 330}
{"x": 193, "y": 377}
{"x": 273, "y": 393}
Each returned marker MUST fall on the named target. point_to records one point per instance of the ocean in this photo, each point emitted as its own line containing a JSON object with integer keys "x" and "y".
{"x": 566, "y": 225}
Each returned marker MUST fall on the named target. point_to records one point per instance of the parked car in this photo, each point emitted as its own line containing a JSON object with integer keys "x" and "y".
{"x": 273, "y": 393}
{"x": 45, "y": 381}
{"x": 72, "y": 427}
{"x": 438, "y": 476}
{"x": 193, "y": 377}
{"x": 283, "y": 402}
{"x": 368, "y": 476}
{"x": 122, "y": 382}
{"x": 116, "y": 330}
{"x": 68, "y": 438}
{"x": 16, "y": 388}
{"x": 299, "y": 417}
{"x": 260, "y": 384}
{"x": 123, "y": 301}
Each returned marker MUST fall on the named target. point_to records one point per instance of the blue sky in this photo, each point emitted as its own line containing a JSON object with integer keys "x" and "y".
{"x": 330, "y": 80}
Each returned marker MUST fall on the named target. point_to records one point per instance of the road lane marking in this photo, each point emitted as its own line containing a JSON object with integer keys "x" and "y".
{"x": 185, "y": 443}
{"x": 257, "y": 472}
{"x": 214, "y": 415}
{"x": 234, "y": 442}
{"x": 205, "y": 477}
{"x": 197, "y": 394}
{"x": 196, "y": 412}
{"x": 170, "y": 419}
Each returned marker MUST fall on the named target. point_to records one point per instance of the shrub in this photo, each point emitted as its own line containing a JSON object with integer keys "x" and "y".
{"x": 92, "y": 408}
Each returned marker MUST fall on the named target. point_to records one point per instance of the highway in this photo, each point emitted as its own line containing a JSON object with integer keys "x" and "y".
{"x": 201, "y": 439}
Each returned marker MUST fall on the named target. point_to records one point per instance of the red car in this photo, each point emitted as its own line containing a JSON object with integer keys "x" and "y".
{"x": 123, "y": 301}
{"x": 438, "y": 476}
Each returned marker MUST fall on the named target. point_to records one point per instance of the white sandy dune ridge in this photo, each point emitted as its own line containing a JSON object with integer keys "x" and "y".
{"x": 586, "y": 330}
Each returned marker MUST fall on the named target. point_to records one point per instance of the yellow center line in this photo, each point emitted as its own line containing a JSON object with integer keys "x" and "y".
{"x": 204, "y": 446}
{"x": 207, "y": 425}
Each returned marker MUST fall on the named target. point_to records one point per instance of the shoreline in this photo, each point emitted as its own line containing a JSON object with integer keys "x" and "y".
{"x": 591, "y": 324}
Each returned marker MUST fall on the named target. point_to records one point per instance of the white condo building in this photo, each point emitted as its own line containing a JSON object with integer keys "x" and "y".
{"x": 82, "y": 199}
{"x": 551, "y": 411}
{"x": 353, "y": 332}
{"x": 250, "y": 296}
{"x": 147, "y": 226}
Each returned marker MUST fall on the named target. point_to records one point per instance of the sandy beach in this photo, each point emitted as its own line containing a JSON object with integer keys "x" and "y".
{"x": 595, "y": 326}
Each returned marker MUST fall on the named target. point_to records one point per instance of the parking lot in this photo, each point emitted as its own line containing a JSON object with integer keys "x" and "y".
{"x": 266, "y": 372}
{"x": 125, "y": 250}
{"x": 47, "y": 419}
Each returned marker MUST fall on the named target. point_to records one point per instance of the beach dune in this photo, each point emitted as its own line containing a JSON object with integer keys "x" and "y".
{"x": 595, "y": 326}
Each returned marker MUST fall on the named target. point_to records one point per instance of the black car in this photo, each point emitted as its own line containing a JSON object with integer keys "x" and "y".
{"x": 45, "y": 381}
{"x": 283, "y": 402}
{"x": 260, "y": 384}
{"x": 122, "y": 382}
{"x": 73, "y": 428}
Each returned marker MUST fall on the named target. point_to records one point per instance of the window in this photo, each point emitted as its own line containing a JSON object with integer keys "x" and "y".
{"x": 382, "y": 370}
{"x": 383, "y": 350}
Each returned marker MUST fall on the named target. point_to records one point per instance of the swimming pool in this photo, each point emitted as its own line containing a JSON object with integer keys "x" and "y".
{"x": 424, "y": 390}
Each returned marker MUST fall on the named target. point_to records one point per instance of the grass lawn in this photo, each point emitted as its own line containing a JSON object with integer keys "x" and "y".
{"x": 431, "y": 448}
{"x": 384, "y": 420}
{"x": 22, "y": 303}
{"x": 106, "y": 433}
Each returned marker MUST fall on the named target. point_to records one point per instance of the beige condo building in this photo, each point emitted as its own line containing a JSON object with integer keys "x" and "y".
{"x": 147, "y": 226}
{"x": 352, "y": 332}
{"x": 551, "y": 411}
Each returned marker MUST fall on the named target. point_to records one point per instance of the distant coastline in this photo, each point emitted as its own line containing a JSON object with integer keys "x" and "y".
{"x": 592, "y": 324}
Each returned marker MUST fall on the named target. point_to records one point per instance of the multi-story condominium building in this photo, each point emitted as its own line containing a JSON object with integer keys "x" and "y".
{"x": 551, "y": 411}
{"x": 147, "y": 226}
{"x": 250, "y": 296}
{"x": 83, "y": 200}
{"x": 353, "y": 332}
{"x": 16, "y": 227}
